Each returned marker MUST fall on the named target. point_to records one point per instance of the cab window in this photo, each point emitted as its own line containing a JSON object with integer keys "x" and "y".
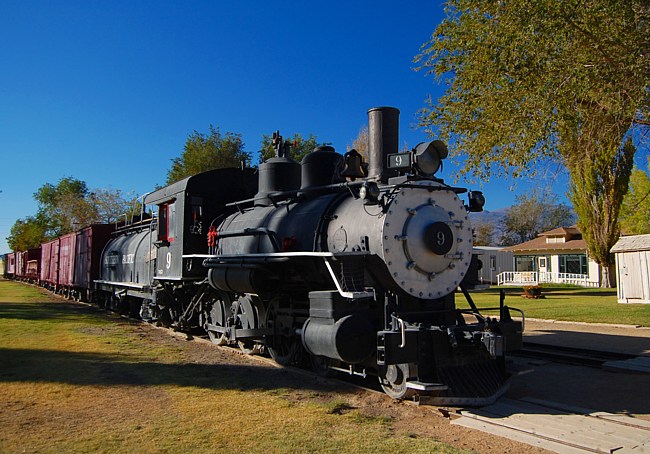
{"x": 166, "y": 222}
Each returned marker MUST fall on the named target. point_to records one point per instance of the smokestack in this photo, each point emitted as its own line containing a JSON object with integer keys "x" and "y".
{"x": 383, "y": 139}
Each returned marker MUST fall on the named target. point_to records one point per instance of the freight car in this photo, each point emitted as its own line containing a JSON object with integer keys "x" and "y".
{"x": 28, "y": 265}
{"x": 89, "y": 244}
{"x": 10, "y": 265}
{"x": 69, "y": 265}
{"x": 50, "y": 264}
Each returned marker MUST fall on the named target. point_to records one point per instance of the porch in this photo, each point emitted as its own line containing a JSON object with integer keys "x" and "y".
{"x": 521, "y": 278}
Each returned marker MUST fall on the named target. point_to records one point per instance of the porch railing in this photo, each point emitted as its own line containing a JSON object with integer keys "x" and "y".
{"x": 544, "y": 277}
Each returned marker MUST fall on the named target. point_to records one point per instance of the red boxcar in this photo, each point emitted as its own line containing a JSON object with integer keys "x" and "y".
{"x": 28, "y": 264}
{"x": 50, "y": 264}
{"x": 45, "y": 261}
{"x": 10, "y": 264}
{"x": 89, "y": 245}
{"x": 21, "y": 264}
{"x": 66, "y": 262}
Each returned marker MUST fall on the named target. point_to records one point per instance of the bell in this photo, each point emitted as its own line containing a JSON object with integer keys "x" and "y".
{"x": 352, "y": 165}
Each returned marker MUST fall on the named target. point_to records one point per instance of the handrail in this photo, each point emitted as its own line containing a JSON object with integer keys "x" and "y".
{"x": 543, "y": 277}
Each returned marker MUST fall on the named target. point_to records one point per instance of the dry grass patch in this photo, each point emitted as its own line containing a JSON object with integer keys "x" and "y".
{"x": 75, "y": 379}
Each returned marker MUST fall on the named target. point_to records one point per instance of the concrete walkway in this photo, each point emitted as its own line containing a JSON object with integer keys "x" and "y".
{"x": 590, "y": 336}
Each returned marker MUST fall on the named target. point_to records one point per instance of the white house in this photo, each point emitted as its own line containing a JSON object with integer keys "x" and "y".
{"x": 556, "y": 256}
{"x": 633, "y": 268}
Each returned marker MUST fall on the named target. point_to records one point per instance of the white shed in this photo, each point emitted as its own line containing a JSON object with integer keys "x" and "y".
{"x": 633, "y": 268}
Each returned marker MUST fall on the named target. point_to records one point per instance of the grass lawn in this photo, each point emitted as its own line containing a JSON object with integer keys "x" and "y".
{"x": 566, "y": 303}
{"x": 76, "y": 380}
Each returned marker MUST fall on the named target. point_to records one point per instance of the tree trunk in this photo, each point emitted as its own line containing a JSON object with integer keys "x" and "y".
{"x": 605, "y": 276}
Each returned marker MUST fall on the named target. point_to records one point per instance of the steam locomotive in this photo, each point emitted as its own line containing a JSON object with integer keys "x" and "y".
{"x": 350, "y": 266}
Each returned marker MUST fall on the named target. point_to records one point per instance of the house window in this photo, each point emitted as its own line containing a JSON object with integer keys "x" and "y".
{"x": 574, "y": 264}
{"x": 542, "y": 262}
{"x": 493, "y": 262}
{"x": 524, "y": 263}
{"x": 166, "y": 220}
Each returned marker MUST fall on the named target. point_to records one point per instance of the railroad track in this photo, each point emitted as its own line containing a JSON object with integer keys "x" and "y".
{"x": 570, "y": 355}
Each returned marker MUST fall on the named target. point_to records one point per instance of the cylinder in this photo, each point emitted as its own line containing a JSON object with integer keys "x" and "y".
{"x": 351, "y": 339}
{"x": 237, "y": 280}
{"x": 383, "y": 139}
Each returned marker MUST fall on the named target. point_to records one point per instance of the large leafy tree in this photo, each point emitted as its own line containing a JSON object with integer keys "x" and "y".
{"x": 635, "y": 213}
{"x": 64, "y": 207}
{"x": 111, "y": 205}
{"x": 68, "y": 206}
{"x": 27, "y": 233}
{"x": 484, "y": 234}
{"x": 532, "y": 214}
{"x": 533, "y": 81}
{"x": 205, "y": 152}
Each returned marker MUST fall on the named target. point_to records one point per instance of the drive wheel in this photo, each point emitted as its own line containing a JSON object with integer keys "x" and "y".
{"x": 247, "y": 316}
{"x": 283, "y": 344}
{"x": 218, "y": 316}
{"x": 394, "y": 381}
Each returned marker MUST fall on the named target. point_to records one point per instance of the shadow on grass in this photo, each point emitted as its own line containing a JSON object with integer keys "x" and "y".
{"x": 83, "y": 368}
{"x": 79, "y": 368}
{"x": 45, "y": 311}
{"x": 551, "y": 291}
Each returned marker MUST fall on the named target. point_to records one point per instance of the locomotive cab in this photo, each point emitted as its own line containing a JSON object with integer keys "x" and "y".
{"x": 152, "y": 268}
{"x": 185, "y": 210}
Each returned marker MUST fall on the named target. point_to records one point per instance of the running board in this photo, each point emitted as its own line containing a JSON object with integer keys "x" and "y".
{"x": 422, "y": 386}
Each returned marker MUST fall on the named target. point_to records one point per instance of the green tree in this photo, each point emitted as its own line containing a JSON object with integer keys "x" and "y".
{"x": 205, "y": 152}
{"x": 635, "y": 213}
{"x": 531, "y": 215}
{"x": 532, "y": 81}
{"x": 64, "y": 207}
{"x": 299, "y": 146}
{"x": 112, "y": 205}
{"x": 27, "y": 233}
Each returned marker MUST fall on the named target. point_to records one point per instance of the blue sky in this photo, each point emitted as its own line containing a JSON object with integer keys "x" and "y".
{"x": 108, "y": 91}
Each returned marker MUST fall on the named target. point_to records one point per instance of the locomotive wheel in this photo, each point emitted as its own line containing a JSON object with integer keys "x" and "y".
{"x": 218, "y": 316}
{"x": 283, "y": 345}
{"x": 394, "y": 381}
{"x": 247, "y": 316}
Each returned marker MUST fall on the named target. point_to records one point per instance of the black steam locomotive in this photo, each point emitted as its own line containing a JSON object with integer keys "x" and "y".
{"x": 351, "y": 266}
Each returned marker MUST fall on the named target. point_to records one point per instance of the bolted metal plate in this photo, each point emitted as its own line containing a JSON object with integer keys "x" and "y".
{"x": 427, "y": 241}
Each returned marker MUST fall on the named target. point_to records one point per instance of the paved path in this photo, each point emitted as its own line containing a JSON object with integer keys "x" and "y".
{"x": 611, "y": 338}
{"x": 566, "y": 408}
